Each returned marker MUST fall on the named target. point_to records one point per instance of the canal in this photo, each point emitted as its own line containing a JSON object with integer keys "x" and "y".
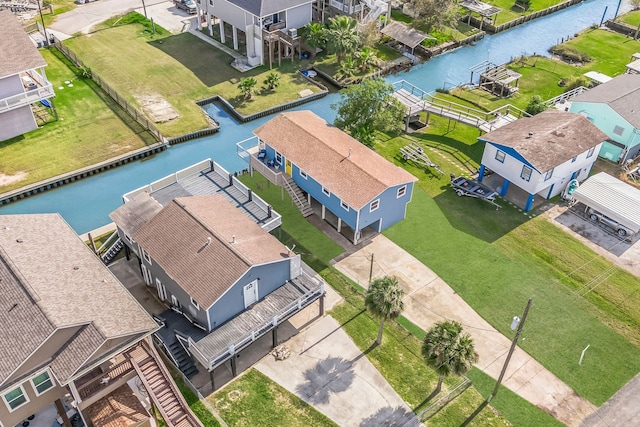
{"x": 86, "y": 204}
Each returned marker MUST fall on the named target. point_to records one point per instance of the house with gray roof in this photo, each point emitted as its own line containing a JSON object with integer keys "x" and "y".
{"x": 351, "y": 186}
{"x": 257, "y": 26}
{"x": 65, "y": 323}
{"x": 22, "y": 78}
{"x": 614, "y": 107}
{"x": 541, "y": 154}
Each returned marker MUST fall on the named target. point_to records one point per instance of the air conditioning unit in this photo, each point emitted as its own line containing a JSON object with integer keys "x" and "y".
{"x": 293, "y": 32}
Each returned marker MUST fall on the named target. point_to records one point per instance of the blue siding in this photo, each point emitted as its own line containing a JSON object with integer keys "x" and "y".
{"x": 390, "y": 210}
{"x": 511, "y": 152}
{"x": 271, "y": 277}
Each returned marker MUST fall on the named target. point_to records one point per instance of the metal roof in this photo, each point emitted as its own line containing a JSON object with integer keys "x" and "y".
{"x": 405, "y": 34}
{"x": 482, "y": 8}
{"x": 614, "y": 198}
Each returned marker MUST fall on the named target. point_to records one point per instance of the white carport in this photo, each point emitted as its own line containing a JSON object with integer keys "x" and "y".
{"x": 612, "y": 197}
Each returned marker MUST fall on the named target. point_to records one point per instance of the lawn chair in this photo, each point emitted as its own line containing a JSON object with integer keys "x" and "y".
{"x": 262, "y": 154}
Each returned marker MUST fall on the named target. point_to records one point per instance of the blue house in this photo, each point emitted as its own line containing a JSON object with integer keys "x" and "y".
{"x": 347, "y": 183}
{"x": 211, "y": 260}
{"x": 614, "y": 107}
{"x": 541, "y": 154}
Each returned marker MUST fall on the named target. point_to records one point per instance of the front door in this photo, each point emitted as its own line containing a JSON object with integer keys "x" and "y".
{"x": 287, "y": 168}
{"x": 162, "y": 291}
{"x": 250, "y": 292}
{"x": 146, "y": 275}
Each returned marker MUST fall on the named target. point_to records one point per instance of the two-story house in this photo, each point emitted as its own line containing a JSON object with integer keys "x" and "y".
{"x": 541, "y": 154}
{"x": 614, "y": 107}
{"x": 71, "y": 334}
{"x": 22, "y": 78}
{"x": 353, "y": 188}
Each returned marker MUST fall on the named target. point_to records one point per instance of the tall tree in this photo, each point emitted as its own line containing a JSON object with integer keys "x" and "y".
{"x": 315, "y": 36}
{"x": 435, "y": 14}
{"x": 342, "y": 36}
{"x": 384, "y": 300}
{"x": 367, "y": 107}
{"x": 448, "y": 351}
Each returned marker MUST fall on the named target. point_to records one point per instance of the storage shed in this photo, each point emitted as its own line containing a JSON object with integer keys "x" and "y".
{"x": 614, "y": 198}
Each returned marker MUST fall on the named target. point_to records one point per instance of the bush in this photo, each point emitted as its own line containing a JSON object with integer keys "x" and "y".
{"x": 573, "y": 82}
{"x": 535, "y": 105}
{"x": 569, "y": 54}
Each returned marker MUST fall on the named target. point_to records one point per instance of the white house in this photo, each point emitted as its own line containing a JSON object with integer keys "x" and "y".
{"x": 541, "y": 154}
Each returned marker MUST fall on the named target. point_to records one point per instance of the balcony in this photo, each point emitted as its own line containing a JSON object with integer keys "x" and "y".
{"x": 26, "y": 98}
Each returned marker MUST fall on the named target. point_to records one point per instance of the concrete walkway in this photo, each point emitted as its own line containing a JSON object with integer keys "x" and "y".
{"x": 429, "y": 299}
{"x": 327, "y": 370}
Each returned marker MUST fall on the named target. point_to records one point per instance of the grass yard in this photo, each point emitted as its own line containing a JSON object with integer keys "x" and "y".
{"x": 509, "y": 10}
{"x": 198, "y": 408}
{"x": 92, "y": 128}
{"x": 180, "y": 69}
{"x": 632, "y": 18}
{"x": 255, "y": 400}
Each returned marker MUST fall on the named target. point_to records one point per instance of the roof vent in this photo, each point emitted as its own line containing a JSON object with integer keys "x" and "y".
{"x": 76, "y": 267}
{"x": 19, "y": 240}
{"x": 529, "y": 135}
{"x": 233, "y": 239}
{"x": 208, "y": 241}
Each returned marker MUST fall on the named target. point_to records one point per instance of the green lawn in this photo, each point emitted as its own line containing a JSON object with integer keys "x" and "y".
{"x": 509, "y": 11}
{"x": 179, "y": 68}
{"x": 92, "y": 128}
{"x": 198, "y": 408}
{"x": 632, "y": 18}
{"x": 255, "y": 400}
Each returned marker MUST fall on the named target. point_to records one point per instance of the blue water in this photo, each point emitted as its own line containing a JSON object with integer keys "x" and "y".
{"x": 86, "y": 204}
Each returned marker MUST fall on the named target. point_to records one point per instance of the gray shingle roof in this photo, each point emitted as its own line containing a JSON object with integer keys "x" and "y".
{"x": 556, "y": 136}
{"x": 622, "y": 94}
{"x": 132, "y": 216}
{"x": 16, "y": 49}
{"x": 176, "y": 239}
{"x": 353, "y": 172}
{"x": 76, "y": 353}
{"x": 267, "y": 7}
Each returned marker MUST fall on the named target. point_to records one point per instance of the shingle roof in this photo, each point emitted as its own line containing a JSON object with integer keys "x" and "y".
{"x": 267, "y": 7}
{"x": 16, "y": 49}
{"x": 556, "y": 136}
{"x": 63, "y": 273}
{"x": 76, "y": 353}
{"x": 177, "y": 240}
{"x": 131, "y": 216}
{"x": 350, "y": 170}
{"x": 622, "y": 94}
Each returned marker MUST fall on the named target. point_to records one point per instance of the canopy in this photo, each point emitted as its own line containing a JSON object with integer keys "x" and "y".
{"x": 405, "y": 34}
{"x": 598, "y": 77}
{"x": 612, "y": 197}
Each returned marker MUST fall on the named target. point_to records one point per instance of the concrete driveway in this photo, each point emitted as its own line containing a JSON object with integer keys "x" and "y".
{"x": 327, "y": 370}
{"x": 429, "y": 299}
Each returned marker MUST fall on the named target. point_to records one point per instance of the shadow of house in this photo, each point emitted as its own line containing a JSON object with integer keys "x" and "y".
{"x": 329, "y": 376}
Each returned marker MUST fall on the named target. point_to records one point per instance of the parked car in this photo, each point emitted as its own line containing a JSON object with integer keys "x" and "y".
{"x": 188, "y": 5}
{"x": 620, "y": 229}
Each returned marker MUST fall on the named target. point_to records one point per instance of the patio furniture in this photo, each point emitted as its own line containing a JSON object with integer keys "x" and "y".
{"x": 262, "y": 154}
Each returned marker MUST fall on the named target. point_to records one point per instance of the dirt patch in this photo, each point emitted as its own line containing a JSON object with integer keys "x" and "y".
{"x": 10, "y": 179}
{"x": 157, "y": 108}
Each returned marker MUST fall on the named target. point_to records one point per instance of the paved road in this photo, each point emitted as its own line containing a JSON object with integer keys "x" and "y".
{"x": 621, "y": 410}
{"x": 429, "y": 299}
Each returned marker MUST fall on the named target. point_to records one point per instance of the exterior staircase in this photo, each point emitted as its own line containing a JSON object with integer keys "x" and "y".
{"x": 297, "y": 195}
{"x": 161, "y": 388}
{"x": 184, "y": 360}
{"x": 111, "y": 253}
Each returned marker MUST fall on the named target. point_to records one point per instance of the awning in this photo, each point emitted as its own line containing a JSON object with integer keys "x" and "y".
{"x": 482, "y": 8}
{"x": 612, "y": 197}
{"x": 598, "y": 77}
{"x": 405, "y": 34}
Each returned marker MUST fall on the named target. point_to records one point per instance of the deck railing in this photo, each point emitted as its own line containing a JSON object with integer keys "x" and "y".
{"x": 26, "y": 98}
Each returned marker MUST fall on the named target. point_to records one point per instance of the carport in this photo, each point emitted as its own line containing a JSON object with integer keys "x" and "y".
{"x": 612, "y": 197}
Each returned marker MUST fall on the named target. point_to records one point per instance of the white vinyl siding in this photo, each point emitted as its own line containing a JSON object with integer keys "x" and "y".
{"x": 548, "y": 175}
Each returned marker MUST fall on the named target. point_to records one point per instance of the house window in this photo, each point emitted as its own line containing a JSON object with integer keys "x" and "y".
{"x": 129, "y": 239}
{"x": 591, "y": 151}
{"x": 574, "y": 159}
{"x": 526, "y": 173}
{"x": 303, "y": 174}
{"x": 15, "y": 398}
{"x": 374, "y": 205}
{"x": 146, "y": 256}
{"x": 548, "y": 175}
{"x": 401, "y": 191}
{"x": 618, "y": 130}
{"x": 500, "y": 155}
{"x": 278, "y": 158}
{"x": 326, "y": 192}
{"x": 42, "y": 383}
{"x": 211, "y": 3}
{"x": 195, "y": 303}
{"x": 344, "y": 206}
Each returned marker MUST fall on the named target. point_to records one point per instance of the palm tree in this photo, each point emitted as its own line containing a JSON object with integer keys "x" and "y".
{"x": 315, "y": 36}
{"x": 366, "y": 58}
{"x": 347, "y": 68}
{"x": 342, "y": 36}
{"x": 448, "y": 351}
{"x": 384, "y": 300}
{"x": 272, "y": 80}
{"x": 246, "y": 87}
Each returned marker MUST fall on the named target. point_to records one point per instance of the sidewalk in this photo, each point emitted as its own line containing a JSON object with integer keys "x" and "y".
{"x": 428, "y": 299}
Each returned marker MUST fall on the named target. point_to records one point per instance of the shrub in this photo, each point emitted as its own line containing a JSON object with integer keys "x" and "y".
{"x": 569, "y": 53}
{"x": 535, "y": 105}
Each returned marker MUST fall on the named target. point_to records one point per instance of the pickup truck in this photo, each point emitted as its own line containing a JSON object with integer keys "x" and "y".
{"x": 188, "y": 5}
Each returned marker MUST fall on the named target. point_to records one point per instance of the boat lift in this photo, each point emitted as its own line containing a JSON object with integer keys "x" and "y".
{"x": 468, "y": 187}
{"x": 416, "y": 154}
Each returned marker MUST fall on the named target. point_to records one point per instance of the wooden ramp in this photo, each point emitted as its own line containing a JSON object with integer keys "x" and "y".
{"x": 161, "y": 388}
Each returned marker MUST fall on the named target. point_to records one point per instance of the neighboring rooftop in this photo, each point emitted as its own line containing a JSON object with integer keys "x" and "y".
{"x": 132, "y": 216}
{"x": 549, "y": 138}
{"x": 267, "y": 7}
{"x": 344, "y": 166}
{"x": 622, "y": 94}
{"x": 121, "y": 408}
{"x": 205, "y": 244}
{"x": 17, "y": 51}
{"x": 405, "y": 34}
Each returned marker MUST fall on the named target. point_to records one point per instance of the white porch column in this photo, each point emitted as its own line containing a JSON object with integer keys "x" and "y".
{"x": 209, "y": 26}
{"x": 74, "y": 392}
{"x": 339, "y": 224}
{"x": 235, "y": 38}
{"x": 199, "y": 15}
{"x": 308, "y": 198}
{"x": 222, "y": 38}
{"x": 323, "y": 212}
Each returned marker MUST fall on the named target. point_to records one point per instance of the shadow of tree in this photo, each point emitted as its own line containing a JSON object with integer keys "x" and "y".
{"x": 329, "y": 376}
{"x": 391, "y": 417}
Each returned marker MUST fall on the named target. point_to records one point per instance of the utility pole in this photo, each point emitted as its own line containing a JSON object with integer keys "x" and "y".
{"x": 513, "y": 347}
{"x": 371, "y": 269}
{"x": 144, "y": 7}
{"x": 44, "y": 30}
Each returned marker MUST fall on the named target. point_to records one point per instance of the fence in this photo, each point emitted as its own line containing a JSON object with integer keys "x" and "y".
{"x": 137, "y": 115}
{"x": 623, "y": 28}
